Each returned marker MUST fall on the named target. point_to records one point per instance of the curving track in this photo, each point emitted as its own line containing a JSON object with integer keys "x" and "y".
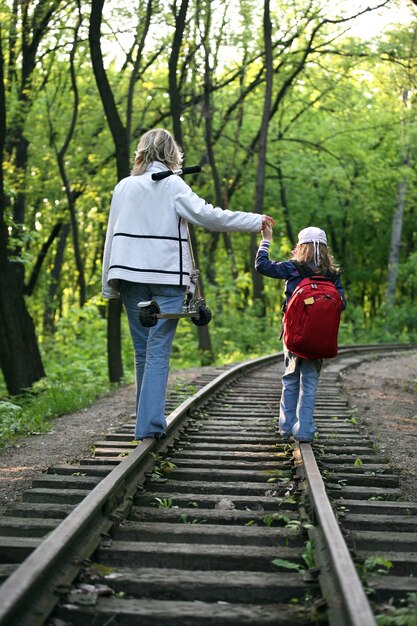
{"x": 219, "y": 524}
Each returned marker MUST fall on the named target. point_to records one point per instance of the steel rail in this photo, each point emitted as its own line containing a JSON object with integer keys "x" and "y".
{"x": 37, "y": 581}
{"x": 373, "y": 348}
{"x": 350, "y": 604}
{"x": 347, "y": 601}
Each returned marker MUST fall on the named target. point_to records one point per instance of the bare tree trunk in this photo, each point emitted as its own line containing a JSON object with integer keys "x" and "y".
{"x": 257, "y": 280}
{"x": 136, "y": 65}
{"x": 41, "y": 257}
{"x": 204, "y": 341}
{"x": 174, "y": 91}
{"x": 397, "y": 219}
{"x": 71, "y": 194}
{"x": 20, "y": 359}
{"x": 285, "y": 207}
{"x": 116, "y": 126}
{"x": 282, "y": 92}
{"x": 33, "y": 28}
{"x": 49, "y": 314}
{"x": 208, "y": 128}
{"x": 395, "y": 244}
{"x": 119, "y": 134}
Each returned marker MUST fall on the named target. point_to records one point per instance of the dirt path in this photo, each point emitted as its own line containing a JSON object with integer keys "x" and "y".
{"x": 384, "y": 392}
{"x": 70, "y": 438}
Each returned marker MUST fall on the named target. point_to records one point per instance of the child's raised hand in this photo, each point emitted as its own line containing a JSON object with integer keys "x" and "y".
{"x": 267, "y": 223}
{"x": 266, "y": 231}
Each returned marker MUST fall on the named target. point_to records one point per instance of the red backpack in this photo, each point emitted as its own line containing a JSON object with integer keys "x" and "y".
{"x": 312, "y": 317}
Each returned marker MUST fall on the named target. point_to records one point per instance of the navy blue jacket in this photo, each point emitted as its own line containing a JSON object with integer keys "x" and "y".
{"x": 288, "y": 271}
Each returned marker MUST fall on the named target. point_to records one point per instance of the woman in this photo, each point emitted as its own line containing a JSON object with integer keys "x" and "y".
{"x": 147, "y": 257}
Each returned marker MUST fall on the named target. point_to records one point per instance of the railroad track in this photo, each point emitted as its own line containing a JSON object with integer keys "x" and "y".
{"x": 218, "y": 524}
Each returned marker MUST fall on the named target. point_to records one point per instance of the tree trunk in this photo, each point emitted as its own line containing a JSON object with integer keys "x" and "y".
{"x": 71, "y": 194}
{"x": 395, "y": 245}
{"x": 41, "y": 257}
{"x": 33, "y": 28}
{"x": 140, "y": 45}
{"x": 49, "y": 314}
{"x": 20, "y": 359}
{"x": 208, "y": 135}
{"x": 119, "y": 134}
{"x": 397, "y": 219}
{"x": 114, "y": 338}
{"x": 257, "y": 289}
{"x": 174, "y": 92}
{"x": 284, "y": 205}
{"x": 204, "y": 341}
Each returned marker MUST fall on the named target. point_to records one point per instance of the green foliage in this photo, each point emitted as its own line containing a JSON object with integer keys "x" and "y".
{"x": 41, "y": 403}
{"x": 273, "y": 519}
{"x": 337, "y": 142}
{"x": 77, "y": 351}
{"x": 308, "y": 555}
{"x": 308, "y": 560}
{"x": 163, "y": 467}
{"x": 403, "y": 615}
{"x": 284, "y": 564}
{"x": 164, "y": 503}
{"x": 376, "y": 565}
{"x": 76, "y": 365}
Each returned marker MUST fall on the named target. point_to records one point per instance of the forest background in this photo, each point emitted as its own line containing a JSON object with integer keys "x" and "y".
{"x": 302, "y": 110}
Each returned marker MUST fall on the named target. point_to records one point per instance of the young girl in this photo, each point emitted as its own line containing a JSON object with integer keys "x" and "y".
{"x": 301, "y": 376}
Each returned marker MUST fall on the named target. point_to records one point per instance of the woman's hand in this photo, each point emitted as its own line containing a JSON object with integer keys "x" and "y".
{"x": 267, "y": 220}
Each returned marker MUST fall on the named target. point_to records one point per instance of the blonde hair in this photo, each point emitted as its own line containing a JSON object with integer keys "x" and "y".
{"x": 156, "y": 145}
{"x": 304, "y": 253}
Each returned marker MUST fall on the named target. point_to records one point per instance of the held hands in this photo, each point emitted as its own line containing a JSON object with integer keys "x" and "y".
{"x": 267, "y": 224}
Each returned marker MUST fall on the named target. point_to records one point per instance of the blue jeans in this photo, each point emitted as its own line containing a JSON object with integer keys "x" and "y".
{"x": 298, "y": 397}
{"x": 152, "y": 348}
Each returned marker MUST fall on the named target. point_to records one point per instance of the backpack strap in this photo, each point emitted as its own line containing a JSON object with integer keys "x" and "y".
{"x": 305, "y": 271}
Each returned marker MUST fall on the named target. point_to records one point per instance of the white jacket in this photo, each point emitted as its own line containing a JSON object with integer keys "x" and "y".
{"x": 146, "y": 239}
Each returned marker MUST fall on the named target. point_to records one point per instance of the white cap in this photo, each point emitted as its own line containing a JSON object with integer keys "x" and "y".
{"x": 312, "y": 235}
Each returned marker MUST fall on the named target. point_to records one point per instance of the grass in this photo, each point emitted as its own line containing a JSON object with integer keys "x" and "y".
{"x": 76, "y": 365}
{"x": 32, "y": 412}
{"x": 403, "y": 615}
{"x": 75, "y": 360}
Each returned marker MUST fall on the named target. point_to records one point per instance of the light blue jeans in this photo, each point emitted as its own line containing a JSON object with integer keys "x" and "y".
{"x": 152, "y": 348}
{"x": 298, "y": 397}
